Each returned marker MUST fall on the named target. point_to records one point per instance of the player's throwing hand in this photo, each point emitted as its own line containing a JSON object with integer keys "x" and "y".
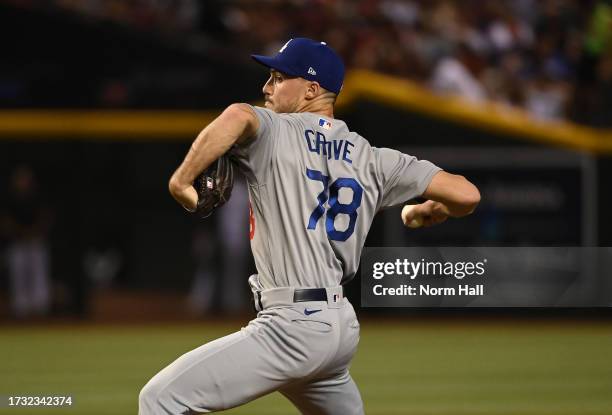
{"x": 425, "y": 214}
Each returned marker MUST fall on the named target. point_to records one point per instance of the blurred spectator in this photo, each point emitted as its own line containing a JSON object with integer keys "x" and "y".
{"x": 545, "y": 98}
{"x": 458, "y": 75}
{"x": 599, "y": 32}
{"x": 603, "y": 117}
{"x": 221, "y": 252}
{"x": 166, "y": 15}
{"x": 234, "y": 242}
{"x": 205, "y": 252}
{"x": 26, "y": 223}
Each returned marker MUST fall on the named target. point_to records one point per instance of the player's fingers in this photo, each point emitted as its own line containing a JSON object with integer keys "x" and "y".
{"x": 427, "y": 220}
{"x": 408, "y": 217}
{"x": 409, "y": 213}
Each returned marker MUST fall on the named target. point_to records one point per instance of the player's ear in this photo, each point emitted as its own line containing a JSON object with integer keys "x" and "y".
{"x": 313, "y": 90}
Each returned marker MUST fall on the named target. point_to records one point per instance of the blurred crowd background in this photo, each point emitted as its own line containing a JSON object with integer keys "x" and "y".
{"x": 549, "y": 57}
{"x": 87, "y": 225}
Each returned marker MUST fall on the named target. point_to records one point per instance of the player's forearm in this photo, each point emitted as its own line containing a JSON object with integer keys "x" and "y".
{"x": 202, "y": 153}
{"x": 455, "y": 210}
{"x": 234, "y": 124}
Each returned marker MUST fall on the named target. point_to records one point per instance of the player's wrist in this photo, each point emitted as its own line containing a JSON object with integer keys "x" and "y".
{"x": 440, "y": 208}
{"x": 188, "y": 198}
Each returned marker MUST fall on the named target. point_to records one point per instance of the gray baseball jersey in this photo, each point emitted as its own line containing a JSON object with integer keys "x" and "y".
{"x": 315, "y": 187}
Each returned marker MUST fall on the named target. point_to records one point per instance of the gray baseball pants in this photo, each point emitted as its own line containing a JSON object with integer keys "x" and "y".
{"x": 302, "y": 350}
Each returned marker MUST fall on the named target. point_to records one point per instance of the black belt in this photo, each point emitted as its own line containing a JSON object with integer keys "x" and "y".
{"x": 302, "y": 295}
{"x": 311, "y": 294}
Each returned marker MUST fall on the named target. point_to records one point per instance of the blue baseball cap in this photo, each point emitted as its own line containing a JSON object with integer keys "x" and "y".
{"x": 308, "y": 59}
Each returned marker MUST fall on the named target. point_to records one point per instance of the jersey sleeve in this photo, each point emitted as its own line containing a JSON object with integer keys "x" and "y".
{"x": 259, "y": 149}
{"x": 266, "y": 119}
{"x": 402, "y": 177}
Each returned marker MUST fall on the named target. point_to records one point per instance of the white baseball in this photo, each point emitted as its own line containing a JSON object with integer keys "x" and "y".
{"x": 417, "y": 222}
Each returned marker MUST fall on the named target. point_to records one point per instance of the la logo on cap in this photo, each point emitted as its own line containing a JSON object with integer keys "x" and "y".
{"x": 284, "y": 46}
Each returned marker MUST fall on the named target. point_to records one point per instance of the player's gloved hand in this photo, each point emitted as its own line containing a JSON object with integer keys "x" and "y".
{"x": 425, "y": 214}
{"x": 214, "y": 186}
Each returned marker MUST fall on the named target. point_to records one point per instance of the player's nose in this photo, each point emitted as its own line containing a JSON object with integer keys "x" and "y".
{"x": 267, "y": 88}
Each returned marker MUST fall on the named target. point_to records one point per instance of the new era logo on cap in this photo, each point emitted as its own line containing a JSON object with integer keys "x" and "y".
{"x": 312, "y": 71}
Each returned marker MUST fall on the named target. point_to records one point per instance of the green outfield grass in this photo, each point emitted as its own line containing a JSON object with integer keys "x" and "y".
{"x": 426, "y": 368}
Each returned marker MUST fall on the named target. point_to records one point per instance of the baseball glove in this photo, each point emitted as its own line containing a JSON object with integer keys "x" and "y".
{"x": 214, "y": 186}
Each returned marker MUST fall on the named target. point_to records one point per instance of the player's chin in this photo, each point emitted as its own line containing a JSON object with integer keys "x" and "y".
{"x": 272, "y": 107}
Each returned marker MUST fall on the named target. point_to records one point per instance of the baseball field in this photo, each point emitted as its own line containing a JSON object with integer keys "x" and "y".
{"x": 430, "y": 368}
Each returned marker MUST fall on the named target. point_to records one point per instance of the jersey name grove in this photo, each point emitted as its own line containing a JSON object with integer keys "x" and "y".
{"x": 335, "y": 149}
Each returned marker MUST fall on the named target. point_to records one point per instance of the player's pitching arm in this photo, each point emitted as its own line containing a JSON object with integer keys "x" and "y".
{"x": 237, "y": 123}
{"x": 448, "y": 195}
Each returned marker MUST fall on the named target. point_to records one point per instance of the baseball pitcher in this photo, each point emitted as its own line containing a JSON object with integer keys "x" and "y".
{"x": 314, "y": 188}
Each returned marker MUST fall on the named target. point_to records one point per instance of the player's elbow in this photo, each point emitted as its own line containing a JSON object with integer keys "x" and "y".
{"x": 469, "y": 197}
{"x": 459, "y": 195}
{"x": 175, "y": 187}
